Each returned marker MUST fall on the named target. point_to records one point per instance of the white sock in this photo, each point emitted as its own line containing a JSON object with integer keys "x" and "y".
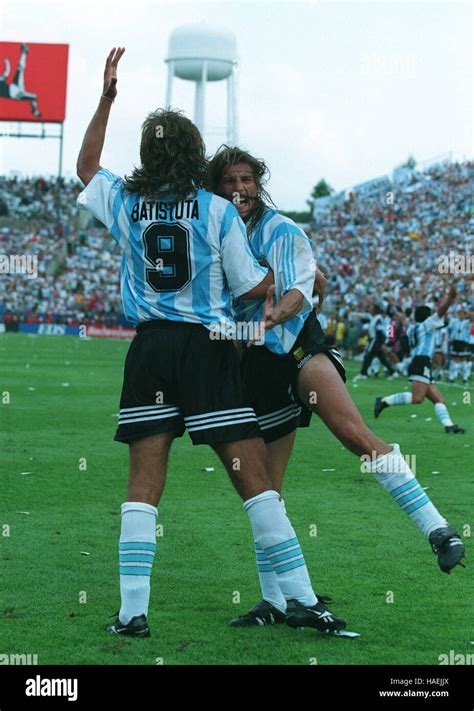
{"x": 393, "y": 473}
{"x": 137, "y": 549}
{"x": 466, "y": 369}
{"x": 275, "y": 536}
{"x": 269, "y": 580}
{"x": 454, "y": 370}
{"x": 398, "y": 399}
{"x": 441, "y": 412}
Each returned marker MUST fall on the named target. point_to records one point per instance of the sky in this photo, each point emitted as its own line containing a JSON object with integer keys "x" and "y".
{"x": 344, "y": 91}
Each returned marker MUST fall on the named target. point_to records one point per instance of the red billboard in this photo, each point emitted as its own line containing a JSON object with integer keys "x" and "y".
{"x": 33, "y": 80}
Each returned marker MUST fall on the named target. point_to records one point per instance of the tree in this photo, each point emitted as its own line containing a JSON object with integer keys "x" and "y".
{"x": 321, "y": 189}
{"x": 409, "y": 163}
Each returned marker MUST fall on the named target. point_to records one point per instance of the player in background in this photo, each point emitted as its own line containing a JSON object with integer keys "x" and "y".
{"x": 460, "y": 349}
{"x": 376, "y": 347}
{"x": 421, "y": 335}
{"x": 296, "y": 373}
{"x": 184, "y": 252}
{"x": 440, "y": 354}
{"x": 16, "y": 89}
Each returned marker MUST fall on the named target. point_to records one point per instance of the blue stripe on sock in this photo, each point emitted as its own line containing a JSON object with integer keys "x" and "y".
{"x": 265, "y": 568}
{"x": 281, "y": 546}
{"x": 136, "y": 558}
{"x": 285, "y": 555}
{"x": 400, "y": 489}
{"x": 417, "y": 505}
{"x": 135, "y": 571}
{"x": 290, "y": 566}
{"x": 137, "y": 544}
{"x": 404, "y": 500}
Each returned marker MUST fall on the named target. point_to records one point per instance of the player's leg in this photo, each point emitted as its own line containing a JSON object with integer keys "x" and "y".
{"x": 19, "y": 78}
{"x": 382, "y": 356}
{"x": 277, "y": 457}
{"x": 335, "y": 406}
{"x": 148, "y": 464}
{"x": 441, "y": 411}
{"x": 149, "y": 420}
{"x": 369, "y": 355}
{"x": 337, "y": 410}
{"x": 211, "y": 403}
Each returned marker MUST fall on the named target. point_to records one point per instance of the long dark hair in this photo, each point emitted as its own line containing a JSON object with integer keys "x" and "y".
{"x": 231, "y": 155}
{"x": 173, "y": 157}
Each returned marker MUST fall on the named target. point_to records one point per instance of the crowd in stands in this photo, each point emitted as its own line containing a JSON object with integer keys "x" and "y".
{"x": 382, "y": 248}
{"x": 386, "y": 248}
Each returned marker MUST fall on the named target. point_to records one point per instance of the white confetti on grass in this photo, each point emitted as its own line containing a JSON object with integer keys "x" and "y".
{"x": 65, "y": 385}
{"x": 25, "y": 473}
{"x": 84, "y": 553}
{"x": 31, "y": 388}
{"x": 328, "y": 470}
{"x": 428, "y": 419}
{"x": 412, "y": 416}
{"x": 435, "y": 471}
{"x": 209, "y": 469}
{"x": 26, "y": 513}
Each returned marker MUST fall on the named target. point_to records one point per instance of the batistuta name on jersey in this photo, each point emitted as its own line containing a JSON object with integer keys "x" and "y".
{"x": 149, "y": 210}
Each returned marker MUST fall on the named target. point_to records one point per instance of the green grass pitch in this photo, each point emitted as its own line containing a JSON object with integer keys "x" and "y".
{"x": 55, "y": 601}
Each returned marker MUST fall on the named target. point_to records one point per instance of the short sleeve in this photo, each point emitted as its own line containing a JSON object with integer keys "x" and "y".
{"x": 291, "y": 258}
{"x": 242, "y": 270}
{"x": 103, "y": 197}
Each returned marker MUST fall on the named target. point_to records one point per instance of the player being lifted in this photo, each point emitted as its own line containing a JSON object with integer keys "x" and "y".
{"x": 421, "y": 335}
{"x": 16, "y": 89}
{"x": 177, "y": 276}
{"x": 296, "y": 373}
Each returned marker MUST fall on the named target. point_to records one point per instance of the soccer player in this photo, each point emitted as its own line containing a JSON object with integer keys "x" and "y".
{"x": 184, "y": 252}
{"x": 460, "y": 332}
{"x": 295, "y": 373}
{"x": 440, "y": 354}
{"x": 375, "y": 347}
{"x": 16, "y": 89}
{"x": 421, "y": 335}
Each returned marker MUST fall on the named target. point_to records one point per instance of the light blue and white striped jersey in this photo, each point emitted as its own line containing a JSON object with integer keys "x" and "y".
{"x": 180, "y": 262}
{"x": 459, "y": 329}
{"x": 441, "y": 339}
{"x": 280, "y": 244}
{"x": 421, "y": 336}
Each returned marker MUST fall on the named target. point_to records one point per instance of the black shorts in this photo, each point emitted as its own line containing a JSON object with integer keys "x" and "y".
{"x": 460, "y": 348}
{"x": 270, "y": 381}
{"x": 177, "y": 378}
{"x": 419, "y": 370}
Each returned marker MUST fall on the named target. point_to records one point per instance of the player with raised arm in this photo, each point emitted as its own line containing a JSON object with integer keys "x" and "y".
{"x": 422, "y": 338}
{"x": 295, "y": 373}
{"x": 185, "y": 252}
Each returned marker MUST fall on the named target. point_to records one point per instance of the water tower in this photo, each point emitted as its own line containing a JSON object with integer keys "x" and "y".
{"x": 200, "y": 53}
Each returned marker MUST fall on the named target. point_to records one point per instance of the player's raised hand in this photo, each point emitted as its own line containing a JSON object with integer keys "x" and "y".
{"x": 110, "y": 72}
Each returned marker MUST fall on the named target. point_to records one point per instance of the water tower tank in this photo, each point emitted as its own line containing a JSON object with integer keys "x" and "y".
{"x": 189, "y": 46}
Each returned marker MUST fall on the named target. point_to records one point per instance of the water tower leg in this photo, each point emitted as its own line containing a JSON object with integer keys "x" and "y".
{"x": 199, "y": 104}
{"x": 169, "y": 87}
{"x": 233, "y": 106}
{"x": 230, "y": 112}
